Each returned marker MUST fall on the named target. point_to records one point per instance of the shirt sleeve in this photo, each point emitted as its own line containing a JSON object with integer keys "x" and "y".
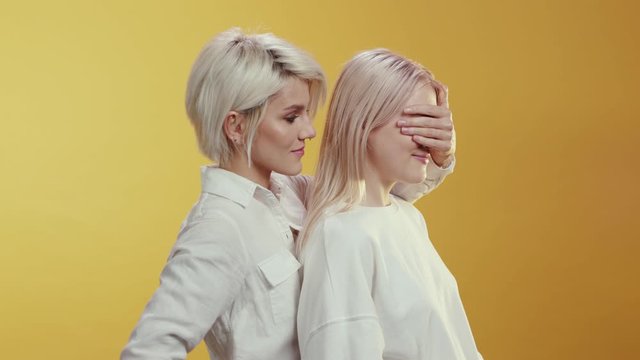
{"x": 302, "y": 186}
{"x": 435, "y": 177}
{"x": 337, "y": 318}
{"x": 293, "y": 195}
{"x": 203, "y": 274}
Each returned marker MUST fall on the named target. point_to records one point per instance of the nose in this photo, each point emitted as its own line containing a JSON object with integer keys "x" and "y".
{"x": 307, "y": 131}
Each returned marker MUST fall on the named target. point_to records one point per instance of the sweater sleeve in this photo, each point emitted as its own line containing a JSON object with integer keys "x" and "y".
{"x": 435, "y": 177}
{"x": 201, "y": 278}
{"x": 337, "y": 317}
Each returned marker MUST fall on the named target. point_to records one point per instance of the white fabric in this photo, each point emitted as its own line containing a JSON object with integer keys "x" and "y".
{"x": 435, "y": 176}
{"x": 231, "y": 278}
{"x": 374, "y": 287}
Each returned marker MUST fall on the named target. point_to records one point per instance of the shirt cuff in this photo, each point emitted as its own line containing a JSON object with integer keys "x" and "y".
{"x": 436, "y": 172}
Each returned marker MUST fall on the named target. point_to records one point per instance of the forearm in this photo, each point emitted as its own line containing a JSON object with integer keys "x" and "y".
{"x": 435, "y": 177}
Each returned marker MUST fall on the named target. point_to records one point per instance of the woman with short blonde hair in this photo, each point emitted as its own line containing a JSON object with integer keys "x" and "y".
{"x": 231, "y": 278}
{"x": 241, "y": 72}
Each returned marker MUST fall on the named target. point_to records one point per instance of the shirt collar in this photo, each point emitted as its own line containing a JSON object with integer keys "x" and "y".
{"x": 227, "y": 184}
{"x": 241, "y": 190}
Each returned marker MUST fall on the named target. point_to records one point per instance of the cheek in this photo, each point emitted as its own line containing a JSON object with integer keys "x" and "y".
{"x": 391, "y": 149}
{"x": 390, "y": 138}
{"x": 397, "y": 142}
{"x": 271, "y": 134}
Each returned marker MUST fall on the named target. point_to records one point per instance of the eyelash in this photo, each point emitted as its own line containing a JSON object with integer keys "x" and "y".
{"x": 292, "y": 118}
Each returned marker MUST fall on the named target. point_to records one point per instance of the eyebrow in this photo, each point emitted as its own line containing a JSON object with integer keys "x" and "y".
{"x": 296, "y": 107}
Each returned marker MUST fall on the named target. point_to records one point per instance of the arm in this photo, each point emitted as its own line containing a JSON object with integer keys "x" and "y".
{"x": 202, "y": 276}
{"x": 337, "y": 317}
{"x": 300, "y": 186}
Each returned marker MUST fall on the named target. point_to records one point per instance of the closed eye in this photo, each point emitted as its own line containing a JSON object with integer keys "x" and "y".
{"x": 295, "y": 112}
{"x": 291, "y": 118}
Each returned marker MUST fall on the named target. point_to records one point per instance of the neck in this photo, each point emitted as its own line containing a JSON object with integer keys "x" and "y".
{"x": 377, "y": 188}
{"x": 238, "y": 164}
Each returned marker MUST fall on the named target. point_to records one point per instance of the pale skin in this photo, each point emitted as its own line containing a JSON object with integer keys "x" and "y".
{"x": 280, "y": 138}
{"x": 432, "y": 127}
{"x": 394, "y": 157}
{"x": 286, "y": 126}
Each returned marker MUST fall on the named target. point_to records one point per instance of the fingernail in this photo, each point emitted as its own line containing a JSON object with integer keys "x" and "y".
{"x": 402, "y": 123}
{"x": 408, "y": 109}
{"x": 406, "y": 131}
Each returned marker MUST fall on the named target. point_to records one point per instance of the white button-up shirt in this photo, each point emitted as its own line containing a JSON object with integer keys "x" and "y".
{"x": 231, "y": 278}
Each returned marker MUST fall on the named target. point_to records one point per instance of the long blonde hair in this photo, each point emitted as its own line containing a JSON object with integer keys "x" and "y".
{"x": 373, "y": 88}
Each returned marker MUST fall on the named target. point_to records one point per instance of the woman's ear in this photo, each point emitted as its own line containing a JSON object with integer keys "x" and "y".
{"x": 234, "y": 127}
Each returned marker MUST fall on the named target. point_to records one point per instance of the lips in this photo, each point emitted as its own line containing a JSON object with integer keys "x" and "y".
{"x": 299, "y": 152}
{"x": 423, "y": 158}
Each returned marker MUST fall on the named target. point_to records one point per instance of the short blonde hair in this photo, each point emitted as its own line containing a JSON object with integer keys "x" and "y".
{"x": 240, "y": 72}
{"x": 373, "y": 87}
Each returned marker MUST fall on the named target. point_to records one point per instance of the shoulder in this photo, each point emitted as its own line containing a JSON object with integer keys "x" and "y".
{"x": 338, "y": 236}
{"x": 409, "y": 210}
{"x": 214, "y": 207}
{"x": 211, "y": 210}
{"x": 340, "y": 256}
{"x": 212, "y": 226}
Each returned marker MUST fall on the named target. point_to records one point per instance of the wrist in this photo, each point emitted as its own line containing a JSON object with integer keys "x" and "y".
{"x": 443, "y": 162}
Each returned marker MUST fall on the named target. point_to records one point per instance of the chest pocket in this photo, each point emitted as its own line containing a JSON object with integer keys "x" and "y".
{"x": 280, "y": 272}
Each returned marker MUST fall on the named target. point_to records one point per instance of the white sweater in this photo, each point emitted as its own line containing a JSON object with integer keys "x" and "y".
{"x": 374, "y": 287}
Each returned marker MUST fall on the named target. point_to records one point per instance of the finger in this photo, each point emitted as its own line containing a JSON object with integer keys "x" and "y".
{"x": 433, "y": 144}
{"x": 429, "y": 133}
{"x": 427, "y": 110}
{"x": 426, "y": 122}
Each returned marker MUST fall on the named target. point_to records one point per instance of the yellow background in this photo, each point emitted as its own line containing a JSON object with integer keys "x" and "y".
{"x": 99, "y": 164}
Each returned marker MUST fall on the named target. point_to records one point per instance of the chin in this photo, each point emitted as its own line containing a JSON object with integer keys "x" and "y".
{"x": 290, "y": 170}
{"x": 415, "y": 177}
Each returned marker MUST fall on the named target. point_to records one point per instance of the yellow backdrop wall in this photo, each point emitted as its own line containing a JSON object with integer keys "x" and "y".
{"x": 99, "y": 163}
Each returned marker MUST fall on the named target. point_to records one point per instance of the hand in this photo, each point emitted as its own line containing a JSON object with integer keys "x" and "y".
{"x": 432, "y": 127}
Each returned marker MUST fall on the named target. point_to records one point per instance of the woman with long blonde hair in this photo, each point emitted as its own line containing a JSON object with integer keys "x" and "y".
{"x": 373, "y": 285}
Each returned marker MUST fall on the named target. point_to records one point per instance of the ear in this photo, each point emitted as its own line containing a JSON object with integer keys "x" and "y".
{"x": 234, "y": 127}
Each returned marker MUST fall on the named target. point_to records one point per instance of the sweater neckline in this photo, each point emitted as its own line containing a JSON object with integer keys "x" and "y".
{"x": 390, "y": 209}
